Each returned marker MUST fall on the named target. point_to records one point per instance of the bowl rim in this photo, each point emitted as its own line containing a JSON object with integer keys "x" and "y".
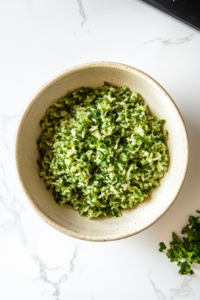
{"x": 45, "y": 86}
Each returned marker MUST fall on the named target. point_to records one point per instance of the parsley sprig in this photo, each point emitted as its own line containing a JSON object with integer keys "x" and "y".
{"x": 185, "y": 251}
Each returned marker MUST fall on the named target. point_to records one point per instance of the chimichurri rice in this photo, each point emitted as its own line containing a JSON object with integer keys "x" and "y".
{"x": 101, "y": 150}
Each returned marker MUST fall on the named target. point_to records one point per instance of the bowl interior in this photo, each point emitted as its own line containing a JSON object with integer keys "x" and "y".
{"x": 65, "y": 218}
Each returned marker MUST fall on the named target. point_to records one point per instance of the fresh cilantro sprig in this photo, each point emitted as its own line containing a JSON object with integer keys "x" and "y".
{"x": 185, "y": 251}
{"x": 162, "y": 247}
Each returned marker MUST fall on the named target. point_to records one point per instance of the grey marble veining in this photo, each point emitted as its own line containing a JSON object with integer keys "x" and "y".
{"x": 64, "y": 277}
{"x": 171, "y": 42}
{"x": 158, "y": 292}
{"x": 182, "y": 291}
{"x": 82, "y": 12}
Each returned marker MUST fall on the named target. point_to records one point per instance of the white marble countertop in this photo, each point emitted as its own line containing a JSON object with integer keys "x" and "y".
{"x": 39, "y": 39}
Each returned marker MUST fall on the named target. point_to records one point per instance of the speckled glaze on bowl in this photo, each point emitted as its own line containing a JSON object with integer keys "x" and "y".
{"x": 64, "y": 218}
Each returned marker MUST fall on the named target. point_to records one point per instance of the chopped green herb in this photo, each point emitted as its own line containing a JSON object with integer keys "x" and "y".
{"x": 162, "y": 247}
{"x": 101, "y": 150}
{"x": 184, "y": 268}
{"x": 186, "y": 251}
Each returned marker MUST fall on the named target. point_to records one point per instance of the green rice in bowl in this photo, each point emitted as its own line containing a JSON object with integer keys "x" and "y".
{"x": 101, "y": 150}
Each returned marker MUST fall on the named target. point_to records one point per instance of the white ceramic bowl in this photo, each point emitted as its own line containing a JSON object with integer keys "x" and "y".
{"x": 64, "y": 218}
